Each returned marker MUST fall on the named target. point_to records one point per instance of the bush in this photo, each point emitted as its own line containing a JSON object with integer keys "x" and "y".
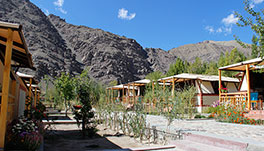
{"x": 199, "y": 116}
{"x": 25, "y": 134}
{"x": 230, "y": 114}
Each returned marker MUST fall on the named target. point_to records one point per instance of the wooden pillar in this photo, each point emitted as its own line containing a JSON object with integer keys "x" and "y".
{"x": 200, "y": 93}
{"x": 112, "y": 100}
{"x": 173, "y": 87}
{"x": 35, "y": 102}
{"x": 248, "y": 88}
{"x": 38, "y": 97}
{"x": 220, "y": 85}
{"x": 123, "y": 94}
{"x": 163, "y": 86}
{"x": 164, "y": 90}
{"x": 134, "y": 100}
{"x": 128, "y": 91}
{"x": 5, "y": 88}
{"x": 153, "y": 96}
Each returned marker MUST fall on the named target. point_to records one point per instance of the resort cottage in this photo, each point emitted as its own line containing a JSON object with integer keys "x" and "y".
{"x": 13, "y": 55}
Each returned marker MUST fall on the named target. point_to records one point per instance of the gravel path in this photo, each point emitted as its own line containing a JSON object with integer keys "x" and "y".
{"x": 241, "y": 132}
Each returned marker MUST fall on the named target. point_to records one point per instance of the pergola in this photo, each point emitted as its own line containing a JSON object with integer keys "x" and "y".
{"x": 187, "y": 76}
{"x": 245, "y": 66}
{"x": 13, "y": 53}
{"x": 32, "y": 85}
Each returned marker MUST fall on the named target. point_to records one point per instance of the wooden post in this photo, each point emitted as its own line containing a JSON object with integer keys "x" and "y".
{"x": 153, "y": 88}
{"x": 248, "y": 88}
{"x": 128, "y": 91}
{"x": 134, "y": 94}
{"x": 173, "y": 87}
{"x": 35, "y": 102}
{"x": 38, "y": 96}
{"x": 5, "y": 88}
{"x": 30, "y": 94}
{"x": 123, "y": 94}
{"x": 220, "y": 85}
{"x": 112, "y": 100}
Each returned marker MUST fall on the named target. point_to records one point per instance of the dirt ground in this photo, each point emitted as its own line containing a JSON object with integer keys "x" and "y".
{"x": 67, "y": 137}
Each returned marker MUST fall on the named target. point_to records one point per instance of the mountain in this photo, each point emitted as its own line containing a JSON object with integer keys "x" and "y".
{"x": 50, "y": 54}
{"x": 108, "y": 56}
{"x": 207, "y": 50}
{"x": 58, "y": 46}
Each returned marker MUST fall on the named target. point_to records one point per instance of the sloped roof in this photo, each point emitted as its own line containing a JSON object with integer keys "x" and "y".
{"x": 241, "y": 65}
{"x": 188, "y": 76}
{"x": 121, "y": 86}
{"x": 20, "y": 55}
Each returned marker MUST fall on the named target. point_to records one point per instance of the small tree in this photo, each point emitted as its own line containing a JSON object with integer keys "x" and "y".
{"x": 87, "y": 92}
{"x": 256, "y": 23}
{"x": 65, "y": 87}
{"x": 178, "y": 67}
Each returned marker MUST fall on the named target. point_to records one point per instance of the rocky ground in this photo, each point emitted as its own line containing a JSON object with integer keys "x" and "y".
{"x": 67, "y": 137}
{"x": 240, "y": 132}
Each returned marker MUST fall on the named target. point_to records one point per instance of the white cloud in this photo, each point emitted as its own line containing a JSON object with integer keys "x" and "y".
{"x": 46, "y": 12}
{"x": 58, "y": 3}
{"x": 230, "y": 20}
{"x": 123, "y": 14}
{"x": 224, "y": 29}
{"x": 210, "y": 29}
{"x": 255, "y": 2}
{"x": 61, "y": 10}
{"x": 219, "y": 30}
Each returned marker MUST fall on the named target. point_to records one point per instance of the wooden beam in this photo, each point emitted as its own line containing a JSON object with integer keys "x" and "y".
{"x": 173, "y": 87}
{"x": 112, "y": 100}
{"x": 123, "y": 93}
{"x": 35, "y": 102}
{"x": 134, "y": 93}
{"x": 248, "y": 88}
{"x": 128, "y": 91}
{"x": 5, "y": 88}
{"x": 219, "y": 84}
{"x": 30, "y": 93}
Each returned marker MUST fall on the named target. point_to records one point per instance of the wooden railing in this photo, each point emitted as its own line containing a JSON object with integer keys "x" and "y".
{"x": 240, "y": 99}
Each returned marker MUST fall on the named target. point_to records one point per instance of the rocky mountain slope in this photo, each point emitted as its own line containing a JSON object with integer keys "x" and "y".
{"x": 207, "y": 50}
{"x": 59, "y": 46}
{"x": 50, "y": 54}
{"x": 109, "y": 56}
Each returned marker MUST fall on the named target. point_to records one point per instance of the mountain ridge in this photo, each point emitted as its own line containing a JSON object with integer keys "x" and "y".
{"x": 58, "y": 46}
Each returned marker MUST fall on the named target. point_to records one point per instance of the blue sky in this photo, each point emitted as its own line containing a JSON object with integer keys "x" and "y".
{"x": 161, "y": 24}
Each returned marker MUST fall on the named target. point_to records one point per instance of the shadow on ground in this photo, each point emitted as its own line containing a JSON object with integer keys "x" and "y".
{"x": 56, "y": 117}
{"x": 72, "y": 140}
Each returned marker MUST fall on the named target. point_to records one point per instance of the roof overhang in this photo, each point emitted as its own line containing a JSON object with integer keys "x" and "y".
{"x": 186, "y": 76}
{"x": 241, "y": 66}
{"x": 20, "y": 55}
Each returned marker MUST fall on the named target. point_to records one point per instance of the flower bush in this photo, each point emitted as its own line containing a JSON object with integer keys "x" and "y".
{"x": 36, "y": 113}
{"x": 25, "y": 134}
{"x": 223, "y": 90}
{"x": 231, "y": 114}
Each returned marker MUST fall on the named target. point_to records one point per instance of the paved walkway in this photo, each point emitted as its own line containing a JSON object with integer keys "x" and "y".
{"x": 244, "y": 133}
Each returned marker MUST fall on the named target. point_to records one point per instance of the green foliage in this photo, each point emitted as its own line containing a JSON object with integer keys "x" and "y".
{"x": 231, "y": 114}
{"x": 113, "y": 83}
{"x": 211, "y": 68}
{"x": 230, "y": 58}
{"x": 155, "y": 75}
{"x": 197, "y": 67}
{"x": 256, "y": 22}
{"x": 65, "y": 86}
{"x": 178, "y": 67}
